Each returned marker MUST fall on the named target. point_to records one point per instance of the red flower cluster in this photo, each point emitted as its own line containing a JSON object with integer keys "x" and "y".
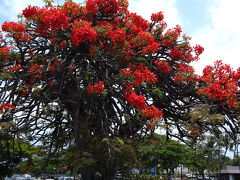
{"x": 72, "y": 9}
{"x": 198, "y": 50}
{"x": 97, "y": 87}
{"x": 154, "y": 142}
{"x": 126, "y": 72}
{"x": 82, "y": 31}
{"x": 5, "y": 52}
{"x": 197, "y": 134}
{"x": 35, "y": 68}
{"x": 51, "y": 68}
{"x": 186, "y": 74}
{"x": 138, "y": 101}
{"x": 221, "y": 84}
{"x": 145, "y": 37}
{"x": 57, "y": 64}
{"x": 152, "y": 112}
{"x": 157, "y": 17}
{"x": 18, "y": 29}
{"x": 30, "y": 12}
{"x": 176, "y": 54}
{"x": 151, "y": 48}
{"x": 118, "y": 36}
{"x": 35, "y": 71}
{"x": 107, "y": 7}
{"x": 53, "y": 19}
{"x": 142, "y": 74}
{"x": 13, "y": 27}
{"x": 155, "y": 116}
{"x": 137, "y": 23}
{"x": 163, "y": 66}
{"x": 48, "y": 19}
{"x": 24, "y": 169}
{"x": 49, "y": 83}
{"x": 6, "y": 106}
{"x": 15, "y": 68}
{"x": 174, "y": 33}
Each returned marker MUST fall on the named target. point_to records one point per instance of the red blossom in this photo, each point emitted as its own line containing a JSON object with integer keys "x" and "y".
{"x": 186, "y": 74}
{"x": 142, "y": 74}
{"x": 97, "y": 87}
{"x": 118, "y": 36}
{"x": 30, "y": 11}
{"x": 16, "y": 68}
{"x": 126, "y": 72}
{"x": 53, "y": 18}
{"x": 107, "y": 7}
{"x": 163, "y": 66}
{"x": 13, "y": 27}
{"x": 49, "y": 83}
{"x": 51, "y": 68}
{"x": 221, "y": 84}
{"x": 70, "y": 68}
{"x": 157, "y": 16}
{"x": 5, "y": 52}
{"x": 152, "y": 112}
{"x": 198, "y": 49}
{"x": 72, "y": 9}
{"x": 137, "y": 22}
{"x": 82, "y": 31}
{"x": 6, "y": 106}
{"x": 151, "y": 48}
{"x": 138, "y": 101}
{"x": 176, "y": 54}
{"x": 35, "y": 68}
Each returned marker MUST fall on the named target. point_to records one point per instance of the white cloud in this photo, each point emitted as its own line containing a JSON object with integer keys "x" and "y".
{"x": 11, "y": 8}
{"x": 146, "y": 8}
{"x": 221, "y": 39}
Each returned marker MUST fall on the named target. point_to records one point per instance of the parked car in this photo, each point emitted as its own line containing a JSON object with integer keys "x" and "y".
{"x": 66, "y": 178}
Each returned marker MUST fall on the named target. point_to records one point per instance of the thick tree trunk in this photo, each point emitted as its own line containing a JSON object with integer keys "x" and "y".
{"x": 82, "y": 130}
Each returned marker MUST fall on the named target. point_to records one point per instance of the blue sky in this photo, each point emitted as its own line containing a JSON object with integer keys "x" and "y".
{"x": 213, "y": 24}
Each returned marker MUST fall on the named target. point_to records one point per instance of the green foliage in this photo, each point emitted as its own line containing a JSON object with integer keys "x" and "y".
{"x": 12, "y": 153}
{"x": 148, "y": 177}
{"x": 202, "y": 113}
{"x": 156, "y": 91}
{"x": 156, "y": 151}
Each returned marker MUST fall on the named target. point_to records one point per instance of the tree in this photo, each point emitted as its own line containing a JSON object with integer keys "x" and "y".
{"x": 155, "y": 151}
{"x": 78, "y": 74}
{"x": 171, "y": 154}
{"x": 12, "y": 151}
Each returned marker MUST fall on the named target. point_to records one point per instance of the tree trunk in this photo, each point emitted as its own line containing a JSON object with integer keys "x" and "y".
{"x": 81, "y": 126}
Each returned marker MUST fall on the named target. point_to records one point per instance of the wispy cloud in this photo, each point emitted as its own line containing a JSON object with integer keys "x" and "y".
{"x": 11, "y": 8}
{"x": 221, "y": 38}
{"x": 146, "y": 8}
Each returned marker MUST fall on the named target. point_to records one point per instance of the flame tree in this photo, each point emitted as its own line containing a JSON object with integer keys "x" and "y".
{"x": 85, "y": 74}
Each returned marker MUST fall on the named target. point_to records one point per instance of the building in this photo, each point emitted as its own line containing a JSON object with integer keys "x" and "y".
{"x": 230, "y": 173}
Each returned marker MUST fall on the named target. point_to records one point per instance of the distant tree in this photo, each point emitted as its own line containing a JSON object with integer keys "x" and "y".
{"x": 209, "y": 154}
{"x": 166, "y": 155}
{"x": 171, "y": 155}
{"x": 12, "y": 151}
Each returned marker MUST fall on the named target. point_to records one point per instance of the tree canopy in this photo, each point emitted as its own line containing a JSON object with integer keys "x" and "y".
{"x": 80, "y": 74}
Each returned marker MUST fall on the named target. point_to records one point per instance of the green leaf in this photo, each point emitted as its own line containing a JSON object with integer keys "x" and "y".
{"x": 120, "y": 141}
{"x": 105, "y": 140}
{"x": 156, "y": 91}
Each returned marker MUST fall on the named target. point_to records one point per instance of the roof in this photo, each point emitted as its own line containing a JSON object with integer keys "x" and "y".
{"x": 230, "y": 170}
